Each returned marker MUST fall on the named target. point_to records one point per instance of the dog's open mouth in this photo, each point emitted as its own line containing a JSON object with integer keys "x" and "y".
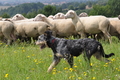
{"x": 42, "y": 46}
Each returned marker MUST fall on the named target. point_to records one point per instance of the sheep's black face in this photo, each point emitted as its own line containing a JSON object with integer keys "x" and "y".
{"x": 42, "y": 41}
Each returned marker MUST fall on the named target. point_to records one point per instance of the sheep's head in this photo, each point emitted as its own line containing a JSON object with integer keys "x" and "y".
{"x": 51, "y": 16}
{"x": 18, "y": 17}
{"x": 40, "y": 17}
{"x": 59, "y": 16}
{"x": 83, "y": 14}
{"x": 70, "y": 14}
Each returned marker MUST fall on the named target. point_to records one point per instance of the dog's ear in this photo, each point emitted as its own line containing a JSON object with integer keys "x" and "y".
{"x": 48, "y": 33}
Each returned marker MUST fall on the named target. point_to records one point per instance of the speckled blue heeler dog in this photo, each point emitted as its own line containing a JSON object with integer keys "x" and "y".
{"x": 64, "y": 48}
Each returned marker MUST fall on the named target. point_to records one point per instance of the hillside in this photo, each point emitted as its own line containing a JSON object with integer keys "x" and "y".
{"x": 4, "y": 7}
{"x": 42, "y": 1}
{"x": 23, "y": 8}
{"x": 38, "y": 7}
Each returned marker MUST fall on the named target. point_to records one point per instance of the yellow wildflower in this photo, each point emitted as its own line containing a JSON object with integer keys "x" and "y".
{"x": 75, "y": 66}
{"x": 22, "y": 47}
{"x": 71, "y": 69}
{"x": 53, "y": 72}
{"x": 79, "y": 78}
{"x": 85, "y": 73}
{"x": 79, "y": 60}
{"x": 35, "y": 60}
{"x": 27, "y": 77}
{"x": 33, "y": 54}
{"x": 105, "y": 65}
{"x": 112, "y": 59}
{"x": 91, "y": 64}
{"x": 71, "y": 77}
{"x": 6, "y": 75}
{"x": 28, "y": 56}
{"x": 66, "y": 68}
{"x": 23, "y": 50}
{"x": 93, "y": 78}
{"x": 15, "y": 52}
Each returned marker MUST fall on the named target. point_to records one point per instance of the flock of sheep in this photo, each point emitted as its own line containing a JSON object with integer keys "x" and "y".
{"x": 62, "y": 25}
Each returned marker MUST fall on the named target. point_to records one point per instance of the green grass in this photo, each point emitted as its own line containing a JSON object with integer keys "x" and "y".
{"x": 28, "y": 62}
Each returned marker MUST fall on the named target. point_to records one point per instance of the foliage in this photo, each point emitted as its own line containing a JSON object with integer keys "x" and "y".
{"x": 112, "y": 9}
{"x": 49, "y": 10}
{"x": 99, "y": 7}
{"x": 5, "y": 15}
{"x": 70, "y": 7}
{"x": 102, "y": 2}
{"x": 82, "y": 6}
{"x": 23, "y": 8}
{"x": 101, "y": 10}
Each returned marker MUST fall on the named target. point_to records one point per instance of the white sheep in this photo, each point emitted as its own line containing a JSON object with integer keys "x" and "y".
{"x": 30, "y": 29}
{"x": 61, "y": 27}
{"x": 115, "y": 28}
{"x": 119, "y": 17}
{"x": 18, "y": 17}
{"x": 59, "y": 16}
{"x": 51, "y": 16}
{"x": 7, "y": 31}
{"x": 83, "y": 14}
{"x": 114, "y": 18}
{"x": 90, "y": 25}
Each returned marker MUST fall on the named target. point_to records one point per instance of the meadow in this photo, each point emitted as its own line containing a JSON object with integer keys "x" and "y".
{"x": 23, "y": 61}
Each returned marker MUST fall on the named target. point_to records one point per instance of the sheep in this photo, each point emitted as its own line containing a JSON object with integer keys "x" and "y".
{"x": 119, "y": 17}
{"x": 51, "y": 16}
{"x": 115, "y": 28}
{"x": 90, "y": 25}
{"x": 59, "y": 16}
{"x": 60, "y": 27}
{"x": 18, "y": 17}
{"x": 30, "y": 29}
{"x": 7, "y": 31}
{"x": 115, "y": 18}
{"x": 83, "y": 14}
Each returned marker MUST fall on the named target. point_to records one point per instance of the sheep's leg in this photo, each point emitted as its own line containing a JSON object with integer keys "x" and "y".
{"x": 9, "y": 42}
{"x": 54, "y": 33}
{"x": 83, "y": 35}
{"x": 108, "y": 36}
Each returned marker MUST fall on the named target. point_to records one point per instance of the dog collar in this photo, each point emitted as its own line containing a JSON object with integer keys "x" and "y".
{"x": 52, "y": 40}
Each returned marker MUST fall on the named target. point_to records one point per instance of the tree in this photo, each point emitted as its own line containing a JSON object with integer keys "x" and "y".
{"x": 50, "y": 10}
{"x": 82, "y": 6}
{"x": 114, "y": 7}
{"x": 70, "y": 7}
{"x": 101, "y": 10}
{"x": 5, "y": 15}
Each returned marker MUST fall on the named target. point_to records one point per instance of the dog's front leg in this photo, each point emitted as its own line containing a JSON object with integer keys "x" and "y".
{"x": 54, "y": 63}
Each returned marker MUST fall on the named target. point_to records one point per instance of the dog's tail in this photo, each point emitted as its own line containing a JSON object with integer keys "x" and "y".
{"x": 103, "y": 53}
